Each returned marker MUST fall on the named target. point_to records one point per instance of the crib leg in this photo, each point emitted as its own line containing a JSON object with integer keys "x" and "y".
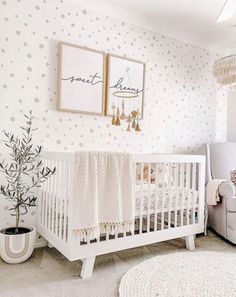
{"x": 87, "y": 267}
{"x": 190, "y": 244}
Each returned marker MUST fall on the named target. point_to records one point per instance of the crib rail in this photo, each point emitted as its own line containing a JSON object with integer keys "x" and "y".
{"x": 170, "y": 186}
{"x": 169, "y": 196}
{"x": 53, "y": 215}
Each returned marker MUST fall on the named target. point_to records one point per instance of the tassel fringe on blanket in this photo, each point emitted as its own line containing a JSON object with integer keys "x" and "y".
{"x": 89, "y": 234}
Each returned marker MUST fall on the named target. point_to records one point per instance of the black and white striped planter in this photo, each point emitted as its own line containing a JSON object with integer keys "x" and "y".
{"x": 17, "y": 248}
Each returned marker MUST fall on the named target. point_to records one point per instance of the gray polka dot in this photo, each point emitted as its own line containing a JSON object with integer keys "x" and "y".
{"x": 12, "y": 119}
{"x": 84, "y": 11}
{"x": 18, "y": 32}
{"x": 36, "y": 100}
{"x": 58, "y": 141}
{"x": 29, "y": 68}
{"x": 41, "y": 46}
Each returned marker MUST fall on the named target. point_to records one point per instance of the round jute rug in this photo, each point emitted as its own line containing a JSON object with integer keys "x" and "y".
{"x": 183, "y": 274}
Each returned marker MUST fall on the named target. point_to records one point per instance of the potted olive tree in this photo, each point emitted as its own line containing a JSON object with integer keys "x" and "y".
{"x": 24, "y": 173}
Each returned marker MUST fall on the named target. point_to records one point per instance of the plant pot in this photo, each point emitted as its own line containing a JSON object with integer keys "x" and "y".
{"x": 17, "y": 248}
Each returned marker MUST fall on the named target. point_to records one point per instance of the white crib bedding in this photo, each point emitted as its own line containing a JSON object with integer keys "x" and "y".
{"x": 142, "y": 194}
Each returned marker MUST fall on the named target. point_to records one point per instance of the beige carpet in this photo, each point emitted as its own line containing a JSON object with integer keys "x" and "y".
{"x": 186, "y": 274}
{"x": 49, "y": 274}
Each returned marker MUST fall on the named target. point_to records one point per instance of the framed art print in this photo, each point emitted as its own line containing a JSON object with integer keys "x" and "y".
{"x": 125, "y": 86}
{"x": 81, "y": 79}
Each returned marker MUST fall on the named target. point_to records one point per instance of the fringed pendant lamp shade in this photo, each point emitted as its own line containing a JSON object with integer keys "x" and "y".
{"x": 225, "y": 70}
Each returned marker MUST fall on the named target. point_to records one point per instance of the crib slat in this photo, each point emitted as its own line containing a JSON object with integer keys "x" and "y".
{"x": 53, "y": 197}
{"x": 182, "y": 193}
{"x": 65, "y": 200}
{"x": 187, "y": 191}
{"x": 163, "y": 195}
{"x": 134, "y": 170}
{"x": 40, "y": 204}
{"x": 116, "y": 234}
{"x": 50, "y": 198}
{"x": 61, "y": 197}
{"x": 200, "y": 187}
{"x": 149, "y": 197}
{"x": 156, "y": 196}
{"x": 169, "y": 175}
{"x": 46, "y": 215}
{"x": 67, "y": 176}
{"x": 176, "y": 172}
{"x": 194, "y": 173}
{"x": 141, "y": 201}
{"x": 43, "y": 201}
{"x": 57, "y": 196}
{"x": 107, "y": 236}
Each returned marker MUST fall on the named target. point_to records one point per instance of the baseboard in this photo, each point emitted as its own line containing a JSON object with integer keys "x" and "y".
{"x": 40, "y": 241}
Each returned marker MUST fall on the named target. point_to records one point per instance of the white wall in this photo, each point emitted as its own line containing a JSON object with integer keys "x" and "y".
{"x": 180, "y": 98}
{"x": 231, "y": 116}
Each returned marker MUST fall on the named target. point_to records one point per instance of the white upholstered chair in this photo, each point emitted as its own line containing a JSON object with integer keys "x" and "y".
{"x": 220, "y": 160}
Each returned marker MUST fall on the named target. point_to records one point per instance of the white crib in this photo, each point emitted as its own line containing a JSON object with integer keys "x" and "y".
{"x": 169, "y": 204}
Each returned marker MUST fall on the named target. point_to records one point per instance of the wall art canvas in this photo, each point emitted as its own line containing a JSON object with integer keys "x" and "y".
{"x": 81, "y": 80}
{"x": 125, "y": 87}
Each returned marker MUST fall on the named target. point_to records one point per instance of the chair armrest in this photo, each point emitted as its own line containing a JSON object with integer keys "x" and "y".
{"x": 227, "y": 189}
{"x": 231, "y": 204}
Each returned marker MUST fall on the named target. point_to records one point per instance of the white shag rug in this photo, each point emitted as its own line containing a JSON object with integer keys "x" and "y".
{"x": 185, "y": 274}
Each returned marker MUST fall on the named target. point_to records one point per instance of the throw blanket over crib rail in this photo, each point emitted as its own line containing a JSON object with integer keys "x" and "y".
{"x": 102, "y": 187}
{"x": 168, "y": 203}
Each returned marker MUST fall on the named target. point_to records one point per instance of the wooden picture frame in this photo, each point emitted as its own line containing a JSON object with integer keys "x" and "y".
{"x": 116, "y": 69}
{"x": 81, "y": 79}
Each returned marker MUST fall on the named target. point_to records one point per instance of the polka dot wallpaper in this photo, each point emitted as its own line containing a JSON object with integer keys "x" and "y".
{"x": 181, "y": 99}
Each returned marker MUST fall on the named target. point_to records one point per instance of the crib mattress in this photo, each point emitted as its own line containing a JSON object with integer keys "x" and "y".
{"x": 173, "y": 198}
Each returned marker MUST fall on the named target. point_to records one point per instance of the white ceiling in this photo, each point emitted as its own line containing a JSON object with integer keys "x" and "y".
{"x": 193, "y": 21}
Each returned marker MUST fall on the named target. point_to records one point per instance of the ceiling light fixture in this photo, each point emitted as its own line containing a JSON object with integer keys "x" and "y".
{"x": 225, "y": 70}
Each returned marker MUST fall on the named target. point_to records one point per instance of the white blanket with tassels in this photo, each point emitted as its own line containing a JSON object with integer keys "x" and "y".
{"x": 103, "y": 194}
{"x": 212, "y": 191}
